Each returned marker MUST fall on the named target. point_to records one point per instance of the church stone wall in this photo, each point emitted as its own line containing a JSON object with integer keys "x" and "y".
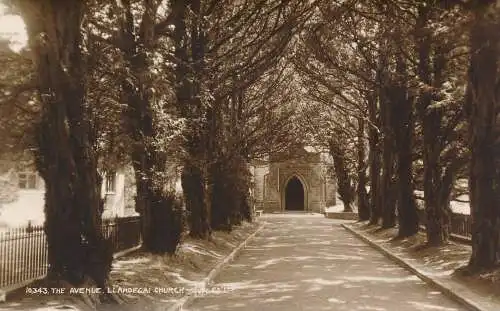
{"x": 270, "y": 180}
{"x": 331, "y": 191}
{"x": 259, "y": 173}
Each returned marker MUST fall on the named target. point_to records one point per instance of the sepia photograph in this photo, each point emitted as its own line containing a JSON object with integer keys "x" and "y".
{"x": 250, "y": 155}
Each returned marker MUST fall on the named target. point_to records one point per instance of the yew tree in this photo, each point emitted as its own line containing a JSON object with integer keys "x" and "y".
{"x": 65, "y": 157}
{"x": 336, "y": 58}
{"x": 482, "y": 108}
{"x": 222, "y": 48}
{"x": 441, "y": 73}
{"x": 134, "y": 34}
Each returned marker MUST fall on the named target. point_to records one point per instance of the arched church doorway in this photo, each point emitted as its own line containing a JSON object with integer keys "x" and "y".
{"x": 294, "y": 195}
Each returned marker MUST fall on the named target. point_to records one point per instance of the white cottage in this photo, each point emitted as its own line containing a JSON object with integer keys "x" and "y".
{"x": 24, "y": 201}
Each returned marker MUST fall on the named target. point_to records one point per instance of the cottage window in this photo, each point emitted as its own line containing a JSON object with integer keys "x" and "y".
{"x": 27, "y": 180}
{"x": 110, "y": 183}
{"x": 264, "y": 188}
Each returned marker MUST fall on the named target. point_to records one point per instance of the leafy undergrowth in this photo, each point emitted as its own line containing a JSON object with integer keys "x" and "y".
{"x": 445, "y": 261}
{"x": 142, "y": 281}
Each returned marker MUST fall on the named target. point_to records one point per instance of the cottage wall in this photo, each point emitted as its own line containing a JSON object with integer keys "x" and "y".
{"x": 27, "y": 205}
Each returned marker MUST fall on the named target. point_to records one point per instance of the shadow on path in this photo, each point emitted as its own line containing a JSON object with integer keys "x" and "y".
{"x": 305, "y": 263}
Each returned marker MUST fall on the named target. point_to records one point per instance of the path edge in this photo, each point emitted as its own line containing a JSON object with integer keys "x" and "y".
{"x": 447, "y": 290}
{"x": 186, "y": 300}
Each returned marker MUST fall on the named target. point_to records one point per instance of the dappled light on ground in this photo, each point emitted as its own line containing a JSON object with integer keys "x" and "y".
{"x": 440, "y": 263}
{"x": 185, "y": 270}
{"x": 311, "y": 263}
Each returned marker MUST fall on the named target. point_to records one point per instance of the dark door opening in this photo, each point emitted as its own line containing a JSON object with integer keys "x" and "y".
{"x": 294, "y": 195}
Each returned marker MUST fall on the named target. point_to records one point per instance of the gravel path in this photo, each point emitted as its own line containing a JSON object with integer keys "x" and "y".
{"x": 307, "y": 262}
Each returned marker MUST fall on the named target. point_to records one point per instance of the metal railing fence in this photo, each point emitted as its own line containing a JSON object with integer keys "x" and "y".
{"x": 460, "y": 224}
{"x": 23, "y": 251}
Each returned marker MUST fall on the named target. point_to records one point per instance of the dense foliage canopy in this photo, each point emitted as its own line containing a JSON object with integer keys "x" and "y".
{"x": 403, "y": 95}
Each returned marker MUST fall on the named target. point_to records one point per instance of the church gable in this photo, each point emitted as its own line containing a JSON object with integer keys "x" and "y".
{"x": 296, "y": 154}
{"x": 298, "y": 175}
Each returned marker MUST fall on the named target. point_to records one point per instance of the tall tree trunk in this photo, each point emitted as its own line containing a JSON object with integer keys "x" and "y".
{"x": 244, "y": 190}
{"x": 161, "y": 224}
{"x": 200, "y": 214}
{"x": 374, "y": 160}
{"x": 189, "y": 73}
{"x": 403, "y": 128}
{"x": 345, "y": 188}
{"x": 436, "y": 193}
{"x": 362, "y": 196}
{"x": 65, "y": 156}
{"x": 376, "y": 111}
{"x": 229, "y": 206}
{"x": 229, "y": 203}
{"x": 388, "y": 182}
{"x": 224, "y": 203}
{"x": 484, "y": 181}
{"x": 193, "y": 186}
{"x": 243, "y": 172}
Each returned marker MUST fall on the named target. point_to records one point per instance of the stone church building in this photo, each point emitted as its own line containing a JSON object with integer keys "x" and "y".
{"x": 297, "y": 181}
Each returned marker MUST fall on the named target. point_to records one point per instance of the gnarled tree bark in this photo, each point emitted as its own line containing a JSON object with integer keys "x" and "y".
{"x": 483, "y": 107}
{"x": 362, "y": 195}
{"x": 344, "y": 181}
{"x": 65, "y": 158}
{"x": 161, "y": 222}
